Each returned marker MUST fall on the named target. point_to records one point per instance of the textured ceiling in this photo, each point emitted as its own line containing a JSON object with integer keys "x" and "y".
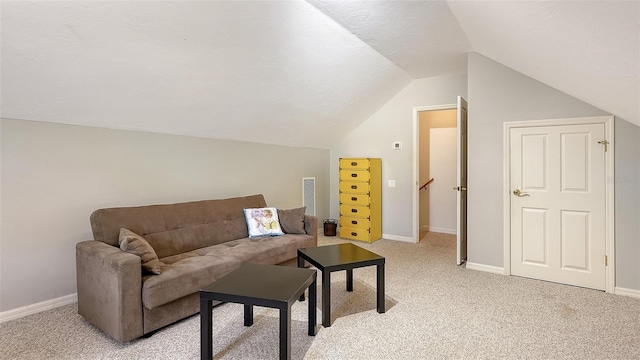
{"x": 270, "y": 72}
{"x": 587, "y": 49}
{"x": 421, "y": 37}
{"x": 293, "y": 72}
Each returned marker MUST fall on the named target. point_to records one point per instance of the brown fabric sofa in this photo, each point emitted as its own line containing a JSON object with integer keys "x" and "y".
{"x": 197, "y": 242}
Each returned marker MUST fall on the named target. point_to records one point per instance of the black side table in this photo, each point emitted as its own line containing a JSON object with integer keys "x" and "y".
{"x": 262, "y": 285}
{"x": 338, "y": 257}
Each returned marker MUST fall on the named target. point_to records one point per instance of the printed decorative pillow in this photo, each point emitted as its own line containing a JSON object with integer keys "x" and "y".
{"x": 292, "y": 220}
{"x": 263, "y": 222}
{"x": 137, "y": 245}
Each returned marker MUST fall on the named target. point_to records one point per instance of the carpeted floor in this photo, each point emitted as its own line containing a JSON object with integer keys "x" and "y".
{"x": 435, "y": 310}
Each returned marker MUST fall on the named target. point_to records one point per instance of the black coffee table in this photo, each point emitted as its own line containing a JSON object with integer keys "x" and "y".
{"x": 261, "y": 285}
{"x": 338, "y": 257}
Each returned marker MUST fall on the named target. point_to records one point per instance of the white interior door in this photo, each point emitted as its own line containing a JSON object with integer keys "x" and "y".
{"x": 461, "y": 223}
{"x": 558, "y": 218}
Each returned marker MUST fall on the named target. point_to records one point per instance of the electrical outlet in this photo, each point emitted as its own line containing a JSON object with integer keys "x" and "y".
{"x": 397, "y": 145}
{"x": 391, "y": 183}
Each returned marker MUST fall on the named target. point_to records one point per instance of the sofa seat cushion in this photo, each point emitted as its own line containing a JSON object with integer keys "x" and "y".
{"x": 187, "y": 273}
{"x": 183, "y": 278}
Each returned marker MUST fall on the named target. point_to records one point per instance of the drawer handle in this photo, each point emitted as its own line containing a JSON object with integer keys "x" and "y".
{"x": 353, "y": 198}
{"x": 354, "y": 175}
{"x": 354, "y": 210}
{"x": 354, "y": 233}
{"x": 354, "y": 222}
{"x": 353, "y": 163}
{"x": 354, "y": 187}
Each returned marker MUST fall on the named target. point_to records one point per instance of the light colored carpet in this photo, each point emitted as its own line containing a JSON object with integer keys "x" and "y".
{"x": 435, "y": 310}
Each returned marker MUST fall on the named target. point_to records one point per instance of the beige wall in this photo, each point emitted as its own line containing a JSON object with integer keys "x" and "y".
{"x": 374, "y": 138}
{"x": 498, "y": 94}
{"x": 54, "y": 176}
{"x": 627, "y": 204}
{"x": 443, "y": 169}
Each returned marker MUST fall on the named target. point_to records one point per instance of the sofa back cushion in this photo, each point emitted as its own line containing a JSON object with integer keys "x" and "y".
{"x": 177, "y": 228}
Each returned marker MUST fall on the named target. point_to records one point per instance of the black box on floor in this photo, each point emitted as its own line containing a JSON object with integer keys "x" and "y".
{"x": 330, "y": 226}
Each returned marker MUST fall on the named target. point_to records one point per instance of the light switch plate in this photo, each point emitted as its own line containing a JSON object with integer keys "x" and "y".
{"x": 397, "y": 145}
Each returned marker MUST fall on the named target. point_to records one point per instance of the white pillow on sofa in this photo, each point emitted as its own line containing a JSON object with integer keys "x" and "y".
{"x": 263, "y": 222}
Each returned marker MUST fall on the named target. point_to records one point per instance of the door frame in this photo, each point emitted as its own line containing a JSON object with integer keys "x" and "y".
{"x": 416, "y": 162}
{"x": 608, "y": 121}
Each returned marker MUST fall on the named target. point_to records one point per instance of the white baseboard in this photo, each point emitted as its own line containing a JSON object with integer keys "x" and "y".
{"x": 485, "y": 268}
{"x": 627, "y": 292}
{"x": 36, "y": 308}
{"x": 399, "y": 238}
{"x": 442, "y": 230}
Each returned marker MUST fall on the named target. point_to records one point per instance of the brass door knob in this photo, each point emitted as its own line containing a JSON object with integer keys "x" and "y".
{"x": 519, "y": 193}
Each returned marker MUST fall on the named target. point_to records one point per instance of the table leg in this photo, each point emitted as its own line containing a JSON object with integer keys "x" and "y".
{"x": 285, "y": 333}
{"x": 301, "y": 265}
{"x": 206, "y": 343}
{"x": 380, "y": 291}
{"x": 326, "y": 298}
{"x": 349, "y": 279}
{"x": 248, "y": 315}
{"x": 312, "y": 307}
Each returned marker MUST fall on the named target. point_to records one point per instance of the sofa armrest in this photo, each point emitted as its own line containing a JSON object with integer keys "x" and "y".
{"x": 109, "y": 283}
{"x": 311, "y": 227}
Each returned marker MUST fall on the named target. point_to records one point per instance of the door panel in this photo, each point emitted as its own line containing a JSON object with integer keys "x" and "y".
{"x": 574, "y": 162}
{"x": 534, "y": 236}
{"x": 534, "y": 159}
{"x": 575, "y": 246}
{"x": 558, "y": 204}
{"x": 461, "y": 222}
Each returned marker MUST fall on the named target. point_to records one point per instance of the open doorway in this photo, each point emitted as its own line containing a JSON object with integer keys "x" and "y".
{"x": 440, "y": 150}
{"x": 437, "y": 175}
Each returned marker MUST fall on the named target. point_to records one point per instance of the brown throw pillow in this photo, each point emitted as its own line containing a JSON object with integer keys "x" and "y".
{"x": 292, "y": 220}
{"x": 137, "y": 245}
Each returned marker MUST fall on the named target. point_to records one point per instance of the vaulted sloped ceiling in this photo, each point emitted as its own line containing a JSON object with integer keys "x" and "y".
{"x": 421, "y": 37}
{"x": 587, "y": 49}
{"x": 269, "y": 71}
{"x": 293, "y": 72}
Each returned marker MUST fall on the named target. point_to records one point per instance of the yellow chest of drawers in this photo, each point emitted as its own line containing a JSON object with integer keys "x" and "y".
{"x": 361, "y": 199}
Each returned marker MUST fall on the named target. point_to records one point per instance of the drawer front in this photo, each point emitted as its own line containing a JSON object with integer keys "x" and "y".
{"x": 354, "y": 187}
{"x": 354, "y": 199}
{"x": 354, "y": 233}
{"x": 355, "y": 211}
{"x": 354, "y": 175}
{"x": 354, "y": 222}
{"x": 355, "y": 163}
